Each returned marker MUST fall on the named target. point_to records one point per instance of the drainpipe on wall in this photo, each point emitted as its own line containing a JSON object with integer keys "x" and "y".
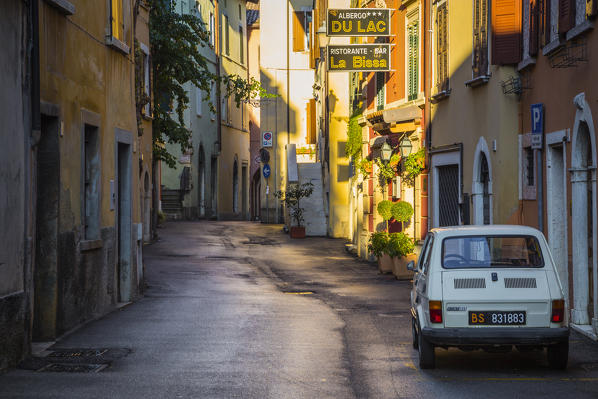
{"x": 217, "y": 48}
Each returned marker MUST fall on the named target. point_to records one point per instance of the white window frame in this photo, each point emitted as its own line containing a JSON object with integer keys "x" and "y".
{"x": 146, "y": 78}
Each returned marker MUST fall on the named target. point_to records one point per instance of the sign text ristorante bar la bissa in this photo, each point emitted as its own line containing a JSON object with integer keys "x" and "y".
{"x": 359, "y": 57}
{"x": 358, "y": 22}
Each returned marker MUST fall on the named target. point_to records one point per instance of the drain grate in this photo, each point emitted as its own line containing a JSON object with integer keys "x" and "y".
{"x": 73, "y": 368}
{"x": 75, "y": 360}
{"x": 77, "y": 354}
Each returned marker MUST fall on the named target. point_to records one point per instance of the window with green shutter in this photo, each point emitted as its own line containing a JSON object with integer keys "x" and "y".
{"x": 413, "y": 59}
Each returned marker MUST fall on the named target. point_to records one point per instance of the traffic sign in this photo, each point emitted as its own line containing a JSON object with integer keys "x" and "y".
{"x": 537, "y": 125}
{"x": 266, "y": 171}
{"x": 266, "y": 139}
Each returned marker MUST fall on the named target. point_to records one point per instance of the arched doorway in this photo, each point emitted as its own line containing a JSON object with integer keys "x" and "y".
{"x": 481, "y": 191}
{"x": 583, "y": 215}
{"x": 235, "y": 187}
{"x": 201, "y": 182}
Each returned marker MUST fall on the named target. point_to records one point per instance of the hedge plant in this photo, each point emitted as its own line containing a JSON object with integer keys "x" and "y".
{"x": 399, "y": 245}
{"x": 385, "y": 209}
{"x": 378, "y": 243}
{"x": 401, "y": 211}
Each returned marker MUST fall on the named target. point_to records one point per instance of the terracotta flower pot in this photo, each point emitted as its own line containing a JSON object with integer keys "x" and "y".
{"x": 385, "y": 264}
{"x": 297, "y": 232}
{"x": 400, "y": 267}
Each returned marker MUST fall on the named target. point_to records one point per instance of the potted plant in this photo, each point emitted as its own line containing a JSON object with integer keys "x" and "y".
{"x": 400, "y": 248}
{"x": 401, "y": 212}
{"x": 378, "y": 247}
{"x": 291, "y": 198}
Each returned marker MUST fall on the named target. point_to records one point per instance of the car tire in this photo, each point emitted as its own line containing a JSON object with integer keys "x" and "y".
{"x": 427, "y": 357}
{"x": 414, "y": 334}
{"x": 558, "y": 355}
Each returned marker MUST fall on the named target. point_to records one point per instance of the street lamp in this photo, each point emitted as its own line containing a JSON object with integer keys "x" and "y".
{"x": 405, "y": 146}
{"x": 386, "y": 152}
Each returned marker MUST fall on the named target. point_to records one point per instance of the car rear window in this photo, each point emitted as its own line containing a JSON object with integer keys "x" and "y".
{"x": 491, "y": 251}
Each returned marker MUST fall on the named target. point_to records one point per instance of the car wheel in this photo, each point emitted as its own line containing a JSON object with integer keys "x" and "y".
{"x": 427, "y": 357}
{"x": 414, "y": 334}
{"x": 558, "y": 354}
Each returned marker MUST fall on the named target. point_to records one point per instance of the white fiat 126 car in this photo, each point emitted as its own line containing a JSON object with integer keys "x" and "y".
{"x": 488, "y": 287}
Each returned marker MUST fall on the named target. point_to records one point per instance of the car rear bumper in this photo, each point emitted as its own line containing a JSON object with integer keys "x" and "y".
{"x": 495, "y": 336}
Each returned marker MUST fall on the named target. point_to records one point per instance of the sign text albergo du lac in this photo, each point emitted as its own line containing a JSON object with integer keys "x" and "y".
{"x": 358, "y": 22}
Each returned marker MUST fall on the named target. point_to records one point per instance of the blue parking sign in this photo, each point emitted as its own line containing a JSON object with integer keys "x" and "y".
{"x": 537, "y": 125}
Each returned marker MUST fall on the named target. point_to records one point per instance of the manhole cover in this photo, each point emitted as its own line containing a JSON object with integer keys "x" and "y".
{"x": 73, "y": 368}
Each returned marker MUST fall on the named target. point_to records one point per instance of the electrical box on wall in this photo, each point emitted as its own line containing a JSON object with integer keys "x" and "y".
{"x": 396, "y": 187}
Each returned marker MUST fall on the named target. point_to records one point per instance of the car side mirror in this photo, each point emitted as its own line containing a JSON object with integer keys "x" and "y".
{"x": 411, "y": 266}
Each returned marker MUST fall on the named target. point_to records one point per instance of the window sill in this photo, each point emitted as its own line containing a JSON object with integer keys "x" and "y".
{"x": 441, "y": 95}
{"x": 579, "y": 29}
{"x": 89, "y": 245}
{"x": 529, "y": 61}
{"x": 116, "y": 44}
{"x": 550, "y": 47}
{"x": 63, "y": 6}
{"x": 475, "y": 82}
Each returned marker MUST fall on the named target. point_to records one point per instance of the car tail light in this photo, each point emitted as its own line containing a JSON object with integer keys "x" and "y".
{"x": 558, "y": 311}
{"x": 435, "y": 311}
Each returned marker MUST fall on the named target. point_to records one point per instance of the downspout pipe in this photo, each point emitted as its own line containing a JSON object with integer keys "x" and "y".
{"x": 217, "y": 51}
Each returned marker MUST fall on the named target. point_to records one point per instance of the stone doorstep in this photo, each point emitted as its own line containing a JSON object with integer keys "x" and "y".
{"x": 585, "y": 329}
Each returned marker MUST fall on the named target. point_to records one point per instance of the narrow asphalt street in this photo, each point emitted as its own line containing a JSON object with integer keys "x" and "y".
{"x": 237, "y": 309}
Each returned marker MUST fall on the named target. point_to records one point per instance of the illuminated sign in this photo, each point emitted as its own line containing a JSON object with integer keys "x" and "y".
{"x": 358, "y": 22}
{"x": 359, "y": 57}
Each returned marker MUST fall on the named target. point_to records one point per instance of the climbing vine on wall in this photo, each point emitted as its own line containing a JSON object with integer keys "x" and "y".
{"x": 413, "y": 166}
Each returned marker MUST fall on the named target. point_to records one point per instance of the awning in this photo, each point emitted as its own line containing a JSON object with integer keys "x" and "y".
{"x": 404, "y": 114}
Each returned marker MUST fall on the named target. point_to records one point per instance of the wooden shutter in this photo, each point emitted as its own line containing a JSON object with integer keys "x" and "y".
{"x": 566, "y": 15}
{"x": 311, "y": 122}
{"x": 506, "y": 32}
{"x": 298, "y": 31}
{"x": 533, "y": 26}
{"x": 544, "y": 20}
{"x": 591, "y": 8}
{"x": 442, "y": 48}
{"x": 117, "y": 19}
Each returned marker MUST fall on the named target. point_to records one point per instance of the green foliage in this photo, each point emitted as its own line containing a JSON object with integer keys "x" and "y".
{"x": 365, "y": 166}
{"x": 385, "y": 209}
{"x": 394, "y": 160}
{"x": 378, "y": 243}
{"x": 176, "y": 41}
{"x": 292, "y": 197}
{"x": 399, "y": 245}
{"x": 413, "y": 166}
{"x": 402, "y": 211}
{"x": 385, "y": 171}
{"x": 354, "y": 138}
{"x": 161, "y": 217}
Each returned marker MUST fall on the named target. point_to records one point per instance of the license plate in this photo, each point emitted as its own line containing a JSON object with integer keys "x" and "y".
{"x": 494, "y": 318}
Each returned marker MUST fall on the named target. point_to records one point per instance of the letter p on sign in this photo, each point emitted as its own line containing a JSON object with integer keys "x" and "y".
{"x": 537, "y": 125}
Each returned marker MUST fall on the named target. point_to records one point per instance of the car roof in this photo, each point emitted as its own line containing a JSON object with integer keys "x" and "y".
{"x": 488, "y": 229}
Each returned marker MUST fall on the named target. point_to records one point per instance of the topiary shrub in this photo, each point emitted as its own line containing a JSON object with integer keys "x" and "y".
{"x": 399, "y": 245}
{"x": 401, "y": 211}
{"x": 378, "y": 243}
{"x": 385, "y": 209}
